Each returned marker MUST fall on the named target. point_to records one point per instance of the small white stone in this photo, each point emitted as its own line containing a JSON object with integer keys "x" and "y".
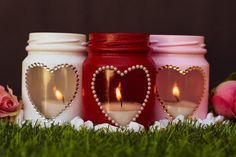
{"x": 106, "y": 126}
{"x": 179, "y": 118}
{"x": 210, "y": 116}
{"x": 77, "y": 122}
{"x": 136, "y": 127}
{"x": 164, "y": 123}
{"x": 88, "y": 124}
{"x": 219, "y": 119}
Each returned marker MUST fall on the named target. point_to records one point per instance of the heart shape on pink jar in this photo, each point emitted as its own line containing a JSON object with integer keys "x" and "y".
{"x": 121, "y": 95}
{"x": 51, "y": 91}
{"x": 180, "y": 91}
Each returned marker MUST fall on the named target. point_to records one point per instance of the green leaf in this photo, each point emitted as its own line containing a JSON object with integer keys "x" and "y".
{"x": 232, "y": 76}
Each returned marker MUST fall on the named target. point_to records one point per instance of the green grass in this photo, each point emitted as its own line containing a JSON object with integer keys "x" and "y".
{"x": 177, "y": 140}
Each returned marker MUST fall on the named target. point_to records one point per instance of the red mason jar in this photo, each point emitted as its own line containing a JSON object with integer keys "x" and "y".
{"x": 119, "y": 80}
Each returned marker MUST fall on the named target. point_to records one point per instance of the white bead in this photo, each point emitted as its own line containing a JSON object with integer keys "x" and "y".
{"x": 92, "y": 83}
{"x": 106, "y": 115}
{"x": 94, "y": 75}
{"x": 149, "y": 79}
{"x": 146, "y": 71}
{"x": 113, "y": 121}
{"x": 99, "y": 103}
{"x": 122, "y": 74}
{"x": 100, "y": 69}
{"x": 145, "y": 100}
{"x": 143, "y": 104}
{"x": 141, "y": 108}
{"x": 107, "y": 67}
{"x": 139, "y": 112}
{"x": 129, "y": 69}
{"x": 94, "y": 79}
{"x": 134, "y": 119}
{"x": 137, "y": 66}
{"x": 144, "y": 68}
{"x": 103, "y": 111}
{"x": 133, "y": 67}
{"x": 95, "y": 95}
{"x": 149, "y": 88}
{"x": 149, "y": 83}
{"x": 125, "y": 71}
{"x": 148, "y": 92}
{"x": 141, "y": 66}
{"x": 92, "y": 87}
{"x": 111, "y": 67}
{"x": 136, "y": 115}
{"x": 94, "y": 91}
{"x": 109, "y": 118}
{"x": 103, "y": 68}
{"x": 147, "y": 96}
{"x": 101, "y": 107}
{"x": 115, "y": 68}
{"x": 116, "y": 124}
{"x": 96, "y": 71}
{"x": 148, "y": 75}
{"x": 118, "y": 72}
{"x": 97, "y": 100}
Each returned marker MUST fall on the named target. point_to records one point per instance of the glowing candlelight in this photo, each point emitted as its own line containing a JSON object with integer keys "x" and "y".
{"x": 118, "y": 94}
{"x": 176, "y": 92}
{"x": 58, "y": 95}
{"x": 180, "y": 107}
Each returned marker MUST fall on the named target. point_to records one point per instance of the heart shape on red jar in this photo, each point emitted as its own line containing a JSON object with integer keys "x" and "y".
{"x": 121, "y": 95}
{"x": 51, "y": 91}
{"x": 180, "y": 91}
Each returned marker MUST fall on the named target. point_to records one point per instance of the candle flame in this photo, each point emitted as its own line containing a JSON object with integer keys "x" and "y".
{"x": 118, "y": 92}
{"x": 175, "y": 90}
{"x": 58, "y": 94}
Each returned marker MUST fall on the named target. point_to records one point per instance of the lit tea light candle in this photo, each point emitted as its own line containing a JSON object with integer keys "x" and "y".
{"x": 182, "y": 107}
{"x": 52, "y": 108}
{"x": 122, "y": 112}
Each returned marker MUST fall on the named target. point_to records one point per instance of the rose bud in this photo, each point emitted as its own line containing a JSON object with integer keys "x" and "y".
{"x": 224, "y": 99}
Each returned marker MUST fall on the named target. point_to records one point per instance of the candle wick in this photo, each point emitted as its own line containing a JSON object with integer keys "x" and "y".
{"x": 177, "y": 98}
{"x": 121, "y": 103}
{"x": 63, "y": 100}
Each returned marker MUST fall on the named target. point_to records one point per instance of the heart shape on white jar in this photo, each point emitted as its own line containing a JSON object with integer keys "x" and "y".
{"x": 51, "y": 91}
{"x": 121, "y": 95}
{"x": 180, "y": 91}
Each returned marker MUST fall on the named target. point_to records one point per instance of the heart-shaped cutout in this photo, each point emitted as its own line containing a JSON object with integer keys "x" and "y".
{"x": 51, "y": 91}
{"x": 121, "y": 95}
{"x": 180, "y": 91}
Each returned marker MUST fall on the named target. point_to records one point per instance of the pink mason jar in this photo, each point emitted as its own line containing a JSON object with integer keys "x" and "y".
{"x": 182, "y": 76}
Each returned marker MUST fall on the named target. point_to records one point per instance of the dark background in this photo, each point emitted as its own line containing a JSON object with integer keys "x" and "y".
{"x": 215, "y": 19}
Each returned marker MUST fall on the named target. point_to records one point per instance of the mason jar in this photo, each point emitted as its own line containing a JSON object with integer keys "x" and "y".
{"x": 118, "y": 80}
{"x": 51, "y": 76}
{"x": 182, "y": 75}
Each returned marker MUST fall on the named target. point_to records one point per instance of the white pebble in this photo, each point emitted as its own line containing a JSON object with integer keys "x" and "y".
{"x": 164, "y": 123}
{"x": 219, "y": 119}
{"x": 106, "y": 126}
{"x": 136, "y": 127}
{"x": 179, "y": 118}
{"x": 210, "y": 116}
{"x": 88, "y": 124}
{"x": 77, "y": 122}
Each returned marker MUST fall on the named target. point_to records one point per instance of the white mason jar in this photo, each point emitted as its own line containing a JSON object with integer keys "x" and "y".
{"x": 51, "y": 76}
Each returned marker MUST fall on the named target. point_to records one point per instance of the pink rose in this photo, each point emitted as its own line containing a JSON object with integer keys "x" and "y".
{"x": 9, "y": 104}
{"x": 224, "y": 99}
